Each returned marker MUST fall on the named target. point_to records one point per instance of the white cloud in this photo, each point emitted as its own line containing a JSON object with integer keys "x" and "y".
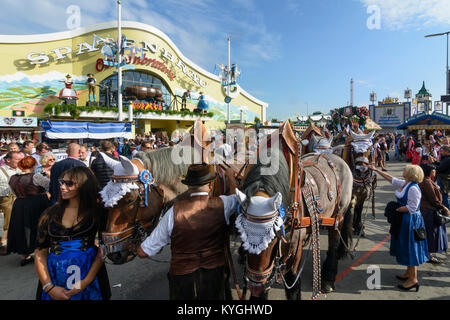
{"x": 403, "y": 14}
{"x": 199, "y": 28}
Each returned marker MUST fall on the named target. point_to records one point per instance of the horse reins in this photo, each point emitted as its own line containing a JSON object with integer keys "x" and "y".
{"x": 113, "y": 241}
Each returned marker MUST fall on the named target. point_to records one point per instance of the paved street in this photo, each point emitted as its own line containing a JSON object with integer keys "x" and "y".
{"x": 146, "y": 279}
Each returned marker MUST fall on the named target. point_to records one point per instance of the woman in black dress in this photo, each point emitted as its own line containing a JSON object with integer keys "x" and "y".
{"x": 31, "y": 201}
{"x": 68, "y": 262}
{"x": 431, "y": 203}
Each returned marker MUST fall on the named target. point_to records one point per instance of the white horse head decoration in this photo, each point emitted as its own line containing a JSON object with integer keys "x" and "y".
{"x": 114, "y": 191}
{"x": 361, "y": 142}
{"x": 256, "y": 236}
{"x": 324, "y": 146}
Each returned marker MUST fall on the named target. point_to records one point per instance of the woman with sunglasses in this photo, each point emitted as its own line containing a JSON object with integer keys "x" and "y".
{"x": 27, "y": 209}
{"x": 68, "y": 263}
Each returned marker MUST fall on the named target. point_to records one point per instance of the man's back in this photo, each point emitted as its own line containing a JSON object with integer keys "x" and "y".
{"x": 55, "y": 173}
{"x": 101, "y": 170}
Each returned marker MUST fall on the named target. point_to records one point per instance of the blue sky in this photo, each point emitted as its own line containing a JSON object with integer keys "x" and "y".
{"x": 291, "y": 53}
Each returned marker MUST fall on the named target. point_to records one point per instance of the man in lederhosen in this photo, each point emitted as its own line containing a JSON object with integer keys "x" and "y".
{"x": 197, "y": 231}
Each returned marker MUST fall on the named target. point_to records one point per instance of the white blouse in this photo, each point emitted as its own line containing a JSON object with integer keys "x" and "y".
{"x": 160, "y": 237}
{"x": 414, "y": 194}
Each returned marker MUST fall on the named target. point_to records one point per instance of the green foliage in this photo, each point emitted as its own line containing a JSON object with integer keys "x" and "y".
{"x": 75, "y": 111}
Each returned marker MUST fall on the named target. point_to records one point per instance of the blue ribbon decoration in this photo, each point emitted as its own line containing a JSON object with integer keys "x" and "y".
{"x": 282, "y": 214}
{"x": 145, "y": 177}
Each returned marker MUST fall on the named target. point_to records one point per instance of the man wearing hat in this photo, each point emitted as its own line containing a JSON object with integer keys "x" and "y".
{"x": 197, "y": 232}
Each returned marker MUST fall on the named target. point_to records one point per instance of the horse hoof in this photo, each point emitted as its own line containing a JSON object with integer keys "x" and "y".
{"x": 327, "y": 287}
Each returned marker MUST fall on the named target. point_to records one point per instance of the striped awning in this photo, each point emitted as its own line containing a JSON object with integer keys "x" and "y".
{"x": 429, "y": 127}
{"x": 86, "y": 130}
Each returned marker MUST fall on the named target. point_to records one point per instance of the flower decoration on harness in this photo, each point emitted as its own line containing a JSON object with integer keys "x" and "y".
{"x": 145, "y": 177}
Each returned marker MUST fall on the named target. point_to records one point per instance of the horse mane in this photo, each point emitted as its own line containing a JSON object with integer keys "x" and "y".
{"x": 164, "y": 170}
{"x": 276, "y": 181}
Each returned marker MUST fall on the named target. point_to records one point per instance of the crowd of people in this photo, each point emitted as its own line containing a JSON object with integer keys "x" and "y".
{"x": 52, "y": 213}
{"x": 423, "y": 193}
{"x": 46, "y": 202}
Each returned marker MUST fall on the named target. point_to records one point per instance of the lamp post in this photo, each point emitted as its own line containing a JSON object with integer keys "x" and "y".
{"x": 446, "y": 70}
{"x": 229, "y": 78}
{"x": 119, "y": 60}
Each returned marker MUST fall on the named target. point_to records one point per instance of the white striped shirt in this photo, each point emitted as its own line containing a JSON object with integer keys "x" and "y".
{"x": 4, "y": 181}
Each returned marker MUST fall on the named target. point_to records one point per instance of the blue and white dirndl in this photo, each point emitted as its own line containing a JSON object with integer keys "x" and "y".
{"x": 406, "y": 249}
{"x": 61, "y": 267}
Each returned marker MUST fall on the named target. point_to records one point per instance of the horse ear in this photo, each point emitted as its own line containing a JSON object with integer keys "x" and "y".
{"x": 277, "y": 201}
{"x": 129, "y": 167}
{"x": 110, "y": 162}
{"x": 331, "y": 140}
{"x": 241, "y": 196}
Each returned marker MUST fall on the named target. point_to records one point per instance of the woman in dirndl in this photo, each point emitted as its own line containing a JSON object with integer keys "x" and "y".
{"x": 405, "y": 248}
{"x": 68, "y": 262}
{"x": 30, "y": 203}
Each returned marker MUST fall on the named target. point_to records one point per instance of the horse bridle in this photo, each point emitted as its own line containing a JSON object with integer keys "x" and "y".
{"x": 116, "y": 241}
{"x": 259, "y": 281}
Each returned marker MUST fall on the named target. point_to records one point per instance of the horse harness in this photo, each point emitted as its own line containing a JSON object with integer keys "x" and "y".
{"x": 259, "y": 281}
{"x": 116, "y": 241}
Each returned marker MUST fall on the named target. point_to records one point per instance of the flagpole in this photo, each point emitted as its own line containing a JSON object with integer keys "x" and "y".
{"x": 228, "y": 78}
{"x": 119, "y": 60}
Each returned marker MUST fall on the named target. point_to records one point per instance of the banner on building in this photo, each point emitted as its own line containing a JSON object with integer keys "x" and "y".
{"x": 20, "y": 122}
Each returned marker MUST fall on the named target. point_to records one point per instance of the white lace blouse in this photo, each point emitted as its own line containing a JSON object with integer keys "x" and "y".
{"x": 414, "y": 194}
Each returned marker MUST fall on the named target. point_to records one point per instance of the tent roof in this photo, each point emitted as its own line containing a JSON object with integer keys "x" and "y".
{"x": 423, "y": 116}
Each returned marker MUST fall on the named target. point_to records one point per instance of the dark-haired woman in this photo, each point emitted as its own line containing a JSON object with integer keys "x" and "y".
{"x": 432, "y": 202}
{"x": 31, "y": 201}
{"x": 68, "y": 263}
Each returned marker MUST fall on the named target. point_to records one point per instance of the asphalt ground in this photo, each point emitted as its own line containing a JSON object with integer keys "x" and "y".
{"x": 146, "y": 279}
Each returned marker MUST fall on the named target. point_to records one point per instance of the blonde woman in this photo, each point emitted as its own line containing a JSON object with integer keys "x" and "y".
{"x": 47, "y": 161}
{"x": 407, "y": 250}
{"x": 42, "y": 173}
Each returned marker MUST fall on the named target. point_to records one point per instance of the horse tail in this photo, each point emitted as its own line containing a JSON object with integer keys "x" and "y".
{"x": 346, "y": 241}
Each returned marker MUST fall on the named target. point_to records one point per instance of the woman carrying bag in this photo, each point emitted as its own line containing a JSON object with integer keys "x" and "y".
{"x": 431, "y": 204}
{"x": 410, "y": 248}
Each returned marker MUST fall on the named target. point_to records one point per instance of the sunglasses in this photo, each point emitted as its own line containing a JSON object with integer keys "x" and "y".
{"x": 68, "y": 183}
{"x": 51, "y": 159}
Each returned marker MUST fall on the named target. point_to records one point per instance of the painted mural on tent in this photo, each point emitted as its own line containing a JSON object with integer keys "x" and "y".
{"x": 32, "y": 93}
{"x": 219, "y": 108}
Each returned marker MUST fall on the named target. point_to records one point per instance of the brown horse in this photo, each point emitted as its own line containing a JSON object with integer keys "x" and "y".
{"x": 364, "y": 180}
{"x": 326, "y": 186}
{"x": 137, "y": 210}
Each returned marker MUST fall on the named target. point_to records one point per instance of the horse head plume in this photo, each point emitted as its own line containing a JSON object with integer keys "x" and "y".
{"x": 256, "y": 236}
{"x": 259, "y": 206}
{"x": 121, "y": 168}
{"x": 361, "y": 142}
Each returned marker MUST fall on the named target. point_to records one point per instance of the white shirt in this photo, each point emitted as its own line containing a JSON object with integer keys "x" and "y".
{"x": 414, "y": 194}
{"x": 160, "y": 237}
{"x": 4, "y": 181}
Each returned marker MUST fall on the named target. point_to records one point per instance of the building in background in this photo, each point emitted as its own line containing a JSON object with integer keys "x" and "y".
{"x": 33, "y": 69}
